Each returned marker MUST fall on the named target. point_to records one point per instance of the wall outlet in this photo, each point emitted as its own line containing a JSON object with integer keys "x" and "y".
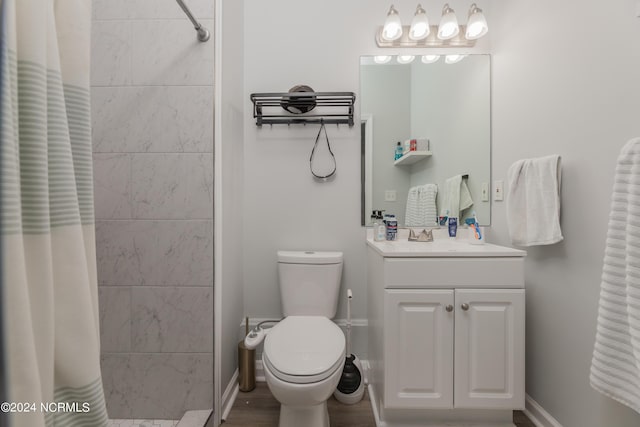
{"x": 390, "y": 195}
{"x": 498, "y": 191}
{"x": 485, "y": 191}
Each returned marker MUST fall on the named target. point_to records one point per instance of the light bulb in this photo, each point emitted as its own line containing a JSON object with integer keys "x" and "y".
{"x": 405, "y": 59}
{"x": 452, "y": 59}
{"x": 381, "y": 59}
{"x": 448, "y": 27}
{"x": 419, "y": 29}
{"x": 477, "y": 24}
{"x": 392, "y": 29}
{"x": 429, "y": 59}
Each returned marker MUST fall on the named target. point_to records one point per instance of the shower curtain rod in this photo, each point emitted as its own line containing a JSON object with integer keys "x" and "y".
{"x": 203, "y": 33}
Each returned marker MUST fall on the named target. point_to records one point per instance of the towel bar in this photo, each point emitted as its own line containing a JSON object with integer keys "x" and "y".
{"x": 267, "y": 108}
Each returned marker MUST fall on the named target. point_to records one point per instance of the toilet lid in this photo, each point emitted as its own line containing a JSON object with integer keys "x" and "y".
{"x": 304, "y": 349}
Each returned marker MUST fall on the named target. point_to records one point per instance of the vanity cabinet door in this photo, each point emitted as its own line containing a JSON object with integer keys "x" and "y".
{"x": 489, "y": 342}
{"x": 418, "y": 348}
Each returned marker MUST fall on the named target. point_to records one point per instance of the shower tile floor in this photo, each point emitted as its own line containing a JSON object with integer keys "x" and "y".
{"x": 142, "y": 423}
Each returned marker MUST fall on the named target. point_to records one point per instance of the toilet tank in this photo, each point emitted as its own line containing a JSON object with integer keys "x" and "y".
{"x": 309, "y": 282}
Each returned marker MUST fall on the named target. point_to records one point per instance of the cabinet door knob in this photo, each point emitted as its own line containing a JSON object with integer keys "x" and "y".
{"x": 464, "y": 306}
{"x": 449, "y": 308}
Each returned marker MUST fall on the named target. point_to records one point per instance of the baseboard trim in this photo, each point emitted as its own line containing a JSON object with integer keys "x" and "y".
{"x": 229, "y": 395}
{"x": 538, "y": 415}
{"x": 195, "y": 418}
{"x": 374, "y": 407}
{"x": 365, "y": 371}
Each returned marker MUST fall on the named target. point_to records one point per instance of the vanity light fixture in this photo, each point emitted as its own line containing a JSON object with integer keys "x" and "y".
{"x": 405, "y": 59}
{"x": 381, "y": 59}
{"x": 419, "y": 29}
{"x": 476, "y": 24}
{"x": 448, "y": 27}
{"x": 429, "y": 59}
{"x": 392, "y": 29}
{"x": 452, "y": 59}
{"x": 449, "y": 33}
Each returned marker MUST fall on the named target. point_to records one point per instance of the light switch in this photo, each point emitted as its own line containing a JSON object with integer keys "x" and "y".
{"x": 485, "y": 191}
{"x": 390, "y": 195}
{"x": 498, "y": 190}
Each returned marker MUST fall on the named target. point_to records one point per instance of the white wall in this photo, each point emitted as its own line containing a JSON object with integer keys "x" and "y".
{"x": 557, "y": 88}
{"x": 229, "y": 185}
{"x": 289, "y": 42}
{"x": 565, "y": 81}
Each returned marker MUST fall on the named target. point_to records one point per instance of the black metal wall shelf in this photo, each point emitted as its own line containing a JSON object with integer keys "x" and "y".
{"x": 330, "y": 107}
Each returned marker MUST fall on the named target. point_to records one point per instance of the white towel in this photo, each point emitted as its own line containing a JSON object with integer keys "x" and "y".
{"x": 533, "y": 201}
{"x": 411, "y": 212}
{"x": 615, "y": 367}
{"x": 421, "y": 206}
{"x": 456, "y": 197}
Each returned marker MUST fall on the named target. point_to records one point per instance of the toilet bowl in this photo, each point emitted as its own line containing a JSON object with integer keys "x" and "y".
{"x": 304, "y": 354}
{"x": 303, "y": 359}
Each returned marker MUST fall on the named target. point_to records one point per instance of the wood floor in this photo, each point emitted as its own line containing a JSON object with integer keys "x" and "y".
{"x": 258, "y": 408}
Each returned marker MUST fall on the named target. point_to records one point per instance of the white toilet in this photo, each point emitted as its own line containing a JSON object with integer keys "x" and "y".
{"x": 304, "y": 354}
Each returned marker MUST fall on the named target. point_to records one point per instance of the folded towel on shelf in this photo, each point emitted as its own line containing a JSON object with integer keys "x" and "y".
{"x": 615, "y": 366}
{"x": 456, "y": 197}
{"x": 421, "y": 206}
{"x": 533, "y": 201}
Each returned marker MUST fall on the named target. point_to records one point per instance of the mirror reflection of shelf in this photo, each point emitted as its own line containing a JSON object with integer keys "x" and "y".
{"x": 412, "y": 157}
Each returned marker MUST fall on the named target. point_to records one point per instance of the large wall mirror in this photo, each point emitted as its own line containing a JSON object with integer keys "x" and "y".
{"x": 447, "y": 104}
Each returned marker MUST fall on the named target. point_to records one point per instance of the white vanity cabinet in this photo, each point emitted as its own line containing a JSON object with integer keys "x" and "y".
{"x": 489, "y": 348}
{"x": 461, "y": 348}
{"x": 446, "y": 332}
{"x": 418, "y": 348}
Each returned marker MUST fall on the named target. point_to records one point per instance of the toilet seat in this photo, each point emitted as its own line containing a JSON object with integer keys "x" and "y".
{"x": 304, "y": 349}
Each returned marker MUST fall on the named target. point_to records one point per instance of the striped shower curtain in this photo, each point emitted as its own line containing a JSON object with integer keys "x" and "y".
{"x": 48, "y": 266}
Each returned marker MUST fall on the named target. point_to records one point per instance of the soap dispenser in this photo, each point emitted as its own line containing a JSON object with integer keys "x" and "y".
{"x": 379, "y": 228}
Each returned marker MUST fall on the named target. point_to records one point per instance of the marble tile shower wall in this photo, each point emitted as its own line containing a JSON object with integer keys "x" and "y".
{"x": 152, "y": 107}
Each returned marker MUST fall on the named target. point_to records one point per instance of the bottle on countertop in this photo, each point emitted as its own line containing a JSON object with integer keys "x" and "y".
{"x": 453, "y": 227}
{"x": 379, "y": 231}
{"x": 391, "y": 227}
{"x": 398, "y": 152}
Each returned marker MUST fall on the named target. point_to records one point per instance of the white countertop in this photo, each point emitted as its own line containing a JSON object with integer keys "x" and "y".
{"x": 442, "y": 246}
